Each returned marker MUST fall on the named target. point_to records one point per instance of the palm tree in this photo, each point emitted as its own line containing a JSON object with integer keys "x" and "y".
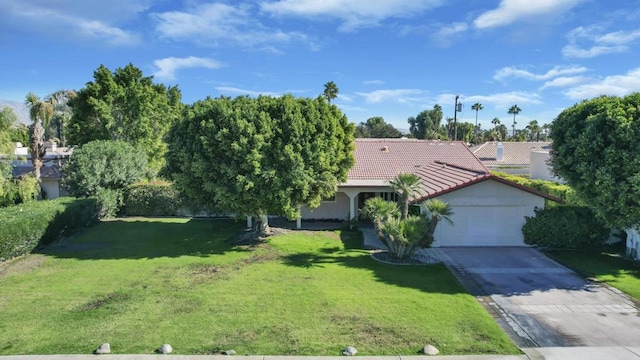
{"x": 62, "y": 111}
{"x": 477, "y": 107}
{"x": 515, "y": 110}
{"x": 496, "y": 123}
{"x": 380, "y": 212}
{"x": 330, "y": 91}
{"x": 40, "y": 112}
{"x": 435, "y": 211}
{"x": 534, "y": 130}
{"x": 408, "y": 186}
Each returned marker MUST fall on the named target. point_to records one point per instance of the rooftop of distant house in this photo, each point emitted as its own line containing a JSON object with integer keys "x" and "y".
{"x": 513, "y": 153}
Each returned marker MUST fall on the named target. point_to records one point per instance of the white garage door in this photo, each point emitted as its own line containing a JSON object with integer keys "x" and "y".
{"x": 482, "y": 226}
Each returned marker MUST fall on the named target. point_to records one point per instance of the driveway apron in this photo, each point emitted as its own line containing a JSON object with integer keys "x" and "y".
{"x": 541, "y": 303}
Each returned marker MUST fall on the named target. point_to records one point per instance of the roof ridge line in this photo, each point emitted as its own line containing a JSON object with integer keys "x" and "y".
{"x": 461, "y": 167}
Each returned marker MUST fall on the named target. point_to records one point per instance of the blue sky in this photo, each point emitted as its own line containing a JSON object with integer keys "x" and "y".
{"x": 390, "y": 58}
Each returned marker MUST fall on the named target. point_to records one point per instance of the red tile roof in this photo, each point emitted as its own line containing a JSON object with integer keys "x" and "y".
{"x": 513, "y": 153}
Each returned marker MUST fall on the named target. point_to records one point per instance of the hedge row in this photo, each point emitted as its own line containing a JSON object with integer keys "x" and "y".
{"x": 28, "y": 225}
{"x": 157, "y": 198}
{"x": 568, "y": 227}
{"x": 562, "y": 191}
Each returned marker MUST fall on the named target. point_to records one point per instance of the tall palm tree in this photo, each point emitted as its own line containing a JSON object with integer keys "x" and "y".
{"x": 330, "y": 91}
{"x": 40, "y": 112}
{"x": 408, "y": 186}
{"x": 495, "y": 131}
{"x": 62, "y": 111}
{"x": 515, "y": 110}
{"x": 477, "y": 107}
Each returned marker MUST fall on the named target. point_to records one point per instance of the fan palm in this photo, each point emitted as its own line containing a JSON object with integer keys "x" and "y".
{"x": 40, "y": 112}
{"x": 477, "y": 107}
{"x": 515, "y": 110}
{"x": 330, "y": 91}
{"x": 435, "y": 210}
{"x": 408, "y": 186}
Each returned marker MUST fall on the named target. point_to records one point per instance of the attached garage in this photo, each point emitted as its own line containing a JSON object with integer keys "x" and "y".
{"x": 488, "y": 213}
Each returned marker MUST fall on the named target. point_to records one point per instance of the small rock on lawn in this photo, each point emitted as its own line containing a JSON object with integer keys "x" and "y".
{"x": 349, "y": 351}
{"x": 103, "y": 349}
{"x": 430, "y": 350}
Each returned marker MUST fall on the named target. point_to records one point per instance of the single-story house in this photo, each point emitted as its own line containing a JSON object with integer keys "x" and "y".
{"x": 488, "y": 210}
{"x": 50, "y": 172}
{"x": 509, "y": 157}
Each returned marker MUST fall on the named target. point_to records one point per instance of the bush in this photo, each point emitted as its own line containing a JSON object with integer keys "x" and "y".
{"x": 569, "y": 227}
{"x": 109, "y": 203}
{"x": 562, "y": 191}
{"x": 28, "y": 225}
{"x": 158, "y": 198}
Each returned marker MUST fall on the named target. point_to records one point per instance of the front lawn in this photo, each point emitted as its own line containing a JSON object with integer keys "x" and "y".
{"x": 612, "y": 269}
{"x": 139, "y": 283}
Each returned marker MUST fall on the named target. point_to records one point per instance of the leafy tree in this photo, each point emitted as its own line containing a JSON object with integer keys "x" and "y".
{"x": 515, "y": 110}
{"x": 330, "y": 91}
{"x": 8, "y": 120}
{"x": 408, "y": 186}
{"x": 103, "y": 165}
{"x": 125, "y": 105}
{"x": 376, "y": 127}
{"x": 40, "y": 112}
{"x": 12, "y": 190}
{"x": 477, "y": 107}
{"x": 259, "y": 156}
{"x": 19, "y": 133}
{"x": 595, "y": 149}
{"x": 426, "y": 124}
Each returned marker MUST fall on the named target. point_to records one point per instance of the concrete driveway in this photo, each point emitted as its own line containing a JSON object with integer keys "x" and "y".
{"x": 540, "y": 303}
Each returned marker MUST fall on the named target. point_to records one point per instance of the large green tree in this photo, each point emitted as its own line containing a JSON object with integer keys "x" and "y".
{"x": 595, "y": 149}
{"x": 376, "y": 127}
{"x": 426, "y": 124}
{"x": 125, "y": 105}
{"x": 259, "y": 156}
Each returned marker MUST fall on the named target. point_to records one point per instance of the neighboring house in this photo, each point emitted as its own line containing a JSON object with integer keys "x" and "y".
{"x": 540, "y": 168}
{"x": 51, "y": 171}
{"x": 488, "y": 211}
{"x": 509, "y": 157}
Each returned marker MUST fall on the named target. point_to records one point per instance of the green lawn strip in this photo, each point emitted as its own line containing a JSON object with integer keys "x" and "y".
{"x": 621, "y": 273}
{"x": 139, "y": 283}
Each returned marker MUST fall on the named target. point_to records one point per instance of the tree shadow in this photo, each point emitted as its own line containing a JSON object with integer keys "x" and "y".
{"x": 145, "y": 239}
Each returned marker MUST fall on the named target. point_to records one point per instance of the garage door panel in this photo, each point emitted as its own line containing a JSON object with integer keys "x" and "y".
{"x": 482, "y": 226}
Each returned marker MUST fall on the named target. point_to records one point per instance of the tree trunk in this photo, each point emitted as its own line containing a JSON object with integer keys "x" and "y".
{"x": 37, "y": 148}
{"x": 263, "y": 225}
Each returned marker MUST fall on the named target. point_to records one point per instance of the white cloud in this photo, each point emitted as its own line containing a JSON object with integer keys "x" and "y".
{"x": 373, "y": 82}
{"x": 395, "y": 95}
{"x": 216, "y": 23}
{"x": 237, "y": 91}
{"x": 77, "y": 19}
{"x": 446, "y": 35}
{"x": 564, "y": 81}
{"x": 167, "y": 67}
{"x": 510, "y": 11}
{"x": 502, "y": 100}
{"x": 353, "y": 14}
{"x": 591, "y": 41}
{"x": 513, "y": 72}
{"x": 618, "y": 85}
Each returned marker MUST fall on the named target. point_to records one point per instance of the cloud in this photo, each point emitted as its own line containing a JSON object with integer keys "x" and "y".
{"x": 502, "y": 100}
{"x": 591, "y": 41}
{"x": 617, "y": 85}
{"x": 373, "y": 82}
{"x": 513, "y": 72}
{"x": 238, "y": 91}
{"x": 564, "y": 81}
{"x": 76, "y": 20}
{"x": 395, "y": 95}
{"x": 167, "y": 67}
{"x": 353, "y": 14}
{"x": 511, "y": 11}
{"x": 446, "y": 35}
{"x": 217, "y": 24}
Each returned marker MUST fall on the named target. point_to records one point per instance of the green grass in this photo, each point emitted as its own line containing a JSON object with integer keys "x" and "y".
{"x": 139, "y": 283}
{"x": 610, "y": 268}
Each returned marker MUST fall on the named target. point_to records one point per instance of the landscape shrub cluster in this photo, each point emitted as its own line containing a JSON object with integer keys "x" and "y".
{"x": 561, "y": 191}
{"x": 32, "y": 224}
{"x": 567, "y": 227}
{"x": 156, "y": 198}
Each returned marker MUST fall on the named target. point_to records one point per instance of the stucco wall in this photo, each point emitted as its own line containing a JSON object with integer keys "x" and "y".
{"x": 51, "y": 188}
{"x": 540, "y": 168}
{"x": 329, "y": 210}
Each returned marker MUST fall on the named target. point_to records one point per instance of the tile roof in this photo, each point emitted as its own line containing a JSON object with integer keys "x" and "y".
{"x": 46, "y": 172}
{"x": 514, "y": 153}
{"x": 443, "y": 166}
{"x": 386, "y": 158}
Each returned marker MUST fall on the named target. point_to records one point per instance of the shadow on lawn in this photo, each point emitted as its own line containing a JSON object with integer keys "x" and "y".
{"x": 139, "y": 239}
{"x": 428, "y": 278}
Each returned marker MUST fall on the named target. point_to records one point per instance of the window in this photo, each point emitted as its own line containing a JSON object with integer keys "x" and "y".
{"x": 330, "y": 199}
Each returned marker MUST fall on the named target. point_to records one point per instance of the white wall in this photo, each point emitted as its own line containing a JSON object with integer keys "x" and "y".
{"x": 489, "y": 213}
{"x": 329, "y": 210}
{"x": 633, "y": 243}
{"x": 540, "y": 168}
{"x": 51, "y": 188}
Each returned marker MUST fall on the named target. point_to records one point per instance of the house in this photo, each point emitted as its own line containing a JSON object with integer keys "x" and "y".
{"x": 509, "y": 157}
{"x": 50, "y": 172}
{"x": 488, "y": 210}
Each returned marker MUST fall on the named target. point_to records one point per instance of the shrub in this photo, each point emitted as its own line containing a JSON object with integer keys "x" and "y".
{"x": 28, "y": 225}
{"x": 562, "y": 191}
{"x": 109, "y": 203}
{"x": 158, "y": 198}
{"x": 565, "y": 226}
